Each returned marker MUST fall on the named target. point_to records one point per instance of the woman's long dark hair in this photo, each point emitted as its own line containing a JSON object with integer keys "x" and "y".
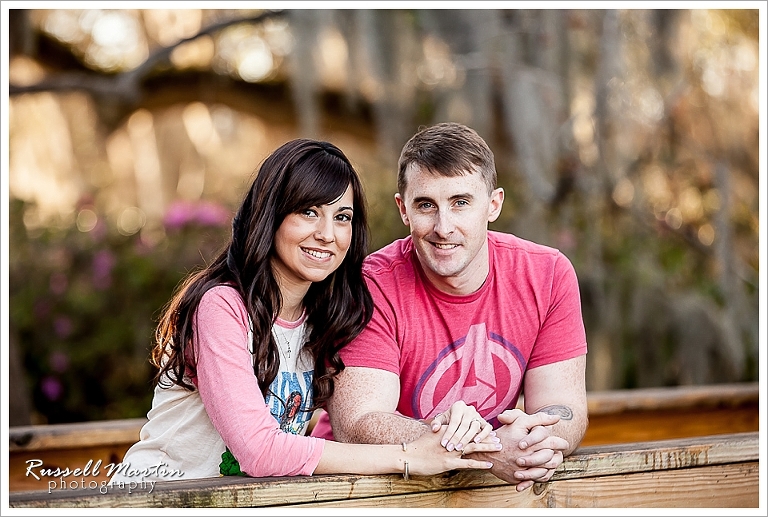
{"x": 300, "y": 174}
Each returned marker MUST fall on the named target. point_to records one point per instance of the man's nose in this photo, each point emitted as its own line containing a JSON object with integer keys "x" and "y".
{"x": 444, "y": 224}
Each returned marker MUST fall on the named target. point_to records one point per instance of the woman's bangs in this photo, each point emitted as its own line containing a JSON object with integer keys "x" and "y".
{"x": 322, "y": 180}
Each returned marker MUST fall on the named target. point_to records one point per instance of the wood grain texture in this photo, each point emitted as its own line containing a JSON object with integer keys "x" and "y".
{"x": 662, "y": 424}
{"x": 665, "y": 473}
{"x": 677, "y": 397}
{"x": 617, "y": 416}
{"x": 726, "y": 486}
{"x": 69, "y": 436}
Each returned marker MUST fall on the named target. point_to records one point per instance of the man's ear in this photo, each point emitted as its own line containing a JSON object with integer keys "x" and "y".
{"x": 494, "y": 207}
{"x": 401, "y": 208}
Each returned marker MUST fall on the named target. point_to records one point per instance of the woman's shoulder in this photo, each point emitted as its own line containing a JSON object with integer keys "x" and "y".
{"x": 223, "y": 294}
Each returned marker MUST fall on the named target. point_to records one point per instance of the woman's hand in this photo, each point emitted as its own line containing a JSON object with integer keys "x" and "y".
{"x": 426, "y": 456}
{"x": 463, "y": 426}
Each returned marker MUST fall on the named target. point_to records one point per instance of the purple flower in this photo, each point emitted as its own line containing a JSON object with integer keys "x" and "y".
{"x": 63, "y": 327}
{"x": 58, "y": 283}
{"x": 59, "y": 361}
{"x": 42, "y": 309}
{"x": 99, "y": 231}
{"x": 103, "y": 262}
{"x": 51, "y": 388}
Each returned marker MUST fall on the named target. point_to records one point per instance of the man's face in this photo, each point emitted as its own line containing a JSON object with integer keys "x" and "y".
{"x": 448, "y": 218}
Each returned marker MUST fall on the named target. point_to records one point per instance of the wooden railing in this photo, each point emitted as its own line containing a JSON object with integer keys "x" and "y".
{"x": 719, "y": 471}
{"x": 621, "y": 416}
{"x": 616, "y": 417}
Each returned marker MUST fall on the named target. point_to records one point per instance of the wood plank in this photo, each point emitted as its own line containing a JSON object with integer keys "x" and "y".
{"x": 662, "y": 424}
{"x": 735, "y": 486}
{"x": 59, "y": 459}
{"x": 75, "y": 435}
{"x": 68, "y": 446}
{"x": 598, "y": 462}
{"x": 673, "y": 397}
{"x": 614, "y": 459}
{"x": 717, "y": 486}
{"x": 629, "y": 426}
{"x": 612, "y": 402}
{"x": 616, "y": 416}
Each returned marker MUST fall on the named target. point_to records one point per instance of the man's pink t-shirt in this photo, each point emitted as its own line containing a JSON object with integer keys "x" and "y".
{"x": 474, "y": 347}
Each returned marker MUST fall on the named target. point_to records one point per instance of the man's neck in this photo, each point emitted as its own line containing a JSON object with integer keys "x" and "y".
{"x": 468, "y": 281}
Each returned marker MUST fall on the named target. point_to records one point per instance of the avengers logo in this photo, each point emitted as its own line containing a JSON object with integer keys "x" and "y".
{"x": 482, "y": 369}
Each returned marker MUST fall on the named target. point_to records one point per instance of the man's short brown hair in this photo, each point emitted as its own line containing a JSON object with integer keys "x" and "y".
{"x": 447, "y": 149}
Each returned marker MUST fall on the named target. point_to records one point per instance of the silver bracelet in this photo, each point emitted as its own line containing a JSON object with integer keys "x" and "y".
{"x": 406, "y": 474}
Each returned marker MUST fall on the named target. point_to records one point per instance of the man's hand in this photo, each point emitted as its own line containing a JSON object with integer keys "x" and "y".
{"x": 530, "y": 453}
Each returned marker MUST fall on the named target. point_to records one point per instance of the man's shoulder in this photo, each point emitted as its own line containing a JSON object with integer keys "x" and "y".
{"x": 511, "y": 253}
{"x": 394, "y": 256}
{"x": 515, "y": 244}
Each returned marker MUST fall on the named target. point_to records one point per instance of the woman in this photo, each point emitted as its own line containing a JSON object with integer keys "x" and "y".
{"x": 248, "y": 346}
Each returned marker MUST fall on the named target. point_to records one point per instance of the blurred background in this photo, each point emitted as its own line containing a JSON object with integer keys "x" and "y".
{"x": 628, "y": 139}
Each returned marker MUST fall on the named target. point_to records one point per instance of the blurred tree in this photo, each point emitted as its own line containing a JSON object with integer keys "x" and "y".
{"x": 625, "y": 137}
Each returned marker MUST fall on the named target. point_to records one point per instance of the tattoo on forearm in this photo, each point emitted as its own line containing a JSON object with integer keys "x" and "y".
{"x": 564, "y": 411}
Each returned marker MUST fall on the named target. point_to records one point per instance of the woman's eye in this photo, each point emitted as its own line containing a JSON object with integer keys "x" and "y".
{"x": 344, "y": 218}
{"x": 309, "y": 212}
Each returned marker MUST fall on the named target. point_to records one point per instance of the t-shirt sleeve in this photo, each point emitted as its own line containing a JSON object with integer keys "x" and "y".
{"x": 562, "y": 335}
{"x": 232, "y": 398}
{"x": 376, "y": 346}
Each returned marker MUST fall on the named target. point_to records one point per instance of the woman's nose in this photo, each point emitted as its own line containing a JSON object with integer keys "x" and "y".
{"x": 324, "y": 230}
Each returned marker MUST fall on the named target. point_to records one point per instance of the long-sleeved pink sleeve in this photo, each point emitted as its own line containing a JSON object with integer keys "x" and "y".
{"x": 231, "y": 396}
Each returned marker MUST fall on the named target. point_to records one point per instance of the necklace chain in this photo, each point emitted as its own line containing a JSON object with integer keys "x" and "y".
{"x": 285, "y": 339}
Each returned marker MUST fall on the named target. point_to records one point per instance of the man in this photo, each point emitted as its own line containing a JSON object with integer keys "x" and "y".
{"x": 463, "y": 313}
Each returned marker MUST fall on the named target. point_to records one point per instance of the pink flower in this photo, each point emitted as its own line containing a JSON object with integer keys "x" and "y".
{"x": 179, "y": 214}
{"x": 212, "y": 214}
{"x": 203, "y": 213}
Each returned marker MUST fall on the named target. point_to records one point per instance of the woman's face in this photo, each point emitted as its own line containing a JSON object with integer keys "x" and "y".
{"x": 312, "y": 244}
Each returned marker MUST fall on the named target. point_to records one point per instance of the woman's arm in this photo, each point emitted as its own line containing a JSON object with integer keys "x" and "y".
{"x": 425, "y": 456}
{"x": 230, "y": 393}
{"x": 232, "y": 398}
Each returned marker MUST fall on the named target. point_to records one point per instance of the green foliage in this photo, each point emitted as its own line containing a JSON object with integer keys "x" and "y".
{"x": 83, "y": 306}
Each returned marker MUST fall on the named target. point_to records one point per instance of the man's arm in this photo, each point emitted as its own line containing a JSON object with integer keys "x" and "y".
{"x": 560, "y": 389}
{"x": 363, "y": 408}
{"x": 533, "y": 448}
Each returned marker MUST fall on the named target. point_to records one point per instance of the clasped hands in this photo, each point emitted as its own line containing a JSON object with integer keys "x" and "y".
{"x": 530, "y": 452}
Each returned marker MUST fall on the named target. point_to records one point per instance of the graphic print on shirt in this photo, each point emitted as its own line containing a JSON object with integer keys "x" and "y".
{"x": 292, "y": 406}
{"x": 484, "y": 370}
{"x": 290, "y": 411}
